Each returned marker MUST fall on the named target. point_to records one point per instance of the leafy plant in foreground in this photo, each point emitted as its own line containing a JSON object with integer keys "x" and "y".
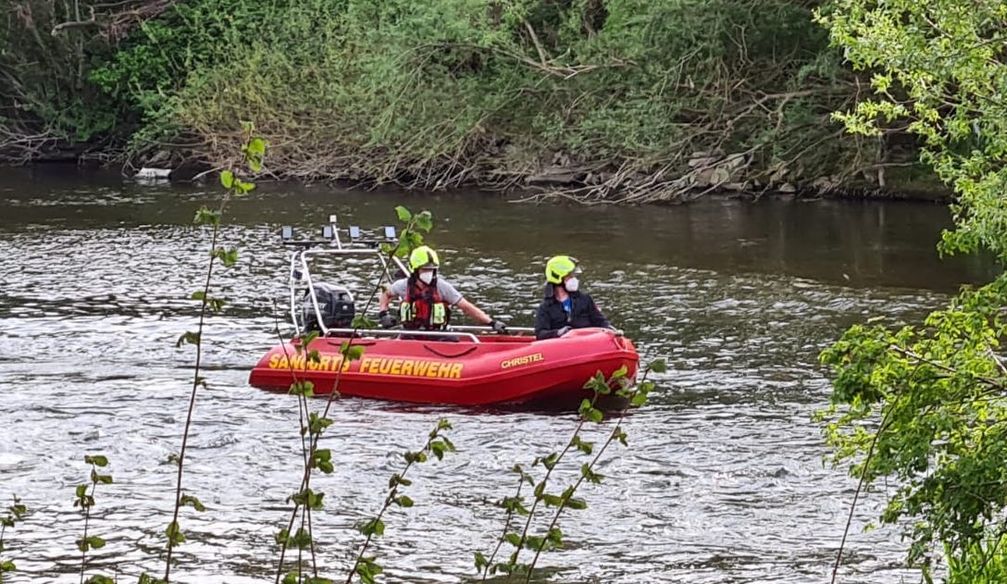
{"x": 634, "y": 395}
{"x": 15, "y": 513}
{"x": 85, "y": 500}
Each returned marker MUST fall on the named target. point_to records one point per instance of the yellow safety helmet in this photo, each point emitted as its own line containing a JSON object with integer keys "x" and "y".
{"x": 423, "y": 257}
{"x": 560, "y": 267}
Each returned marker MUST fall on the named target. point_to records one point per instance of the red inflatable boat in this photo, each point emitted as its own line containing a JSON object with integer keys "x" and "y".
{"x": 463, "y": 365}
{"x": 491, "y": 370}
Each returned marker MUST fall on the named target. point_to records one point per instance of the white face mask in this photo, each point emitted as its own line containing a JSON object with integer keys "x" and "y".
{"x": 426, "y": 277}
{"x": 571, "y": 284}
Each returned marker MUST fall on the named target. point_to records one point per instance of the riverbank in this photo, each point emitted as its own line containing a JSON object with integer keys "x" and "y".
{"x": 597, "y": 102}
{"x": 559, "y": 184}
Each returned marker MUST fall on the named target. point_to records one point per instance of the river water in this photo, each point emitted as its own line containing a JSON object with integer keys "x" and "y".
{"x": 723, "y": 480}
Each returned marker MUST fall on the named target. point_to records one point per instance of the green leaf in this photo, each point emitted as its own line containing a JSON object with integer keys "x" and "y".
{"x": 292, "y": 577}
{"x": 81, "y": 491}
{"x": 282, "y": 537}
{"x": 513, "y": 539}
{"x": 191, "y": 501}
{"x": 205, "y": 216}
{"x": 412, "y": 457}
{"x": 351, "y": 352}
{"x": 95, "y": 542}
{"x": 188, "y": 337}
{"x": 403, "y": 501}
{"x": 317, "y": 423}
{"x": 242, "y": 188}
{"x": 362, "y": 322}
{"x": 594, "y": 415}
{"x": 227, "y": 179}
{"x": 7, "y": 566}
{"x": 174, "y": 533}
{"x": 372, "y": 527}
{"x": 255, "y": 152}
{"x": 303, "y": 387}
{"x": 481, "y": 562}
{"x": 589, "y": 475}
{"x": 228, "y": 257}
{"x": 97, "y": 460}
{"x": 582, "y": 445}
{"x": 322, "y": 460}
{"x": 438, "y": 448}
{"x": 368, "y": 569}
{"x": 302, "y": 539}
{"x": 425, "y": 221}
{"x": 659, "y": 366}
{"x": 403, "y": 214}
{"x": 551, "y": 500}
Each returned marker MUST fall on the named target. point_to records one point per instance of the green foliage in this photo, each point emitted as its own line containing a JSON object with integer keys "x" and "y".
{"x": 939, "y": 391}
{"x": 85, "y": 501}
{"x": 15, "y": 513}
{"x": 940, "y": 68}
{"x": 366, "y": 567}
{"x": 983, "y": 563}
{"x": 429, "y": 91}
{"x": 43, "y": 74}
{"x": 924, "y": 405}
{"x": 552, "y": 539}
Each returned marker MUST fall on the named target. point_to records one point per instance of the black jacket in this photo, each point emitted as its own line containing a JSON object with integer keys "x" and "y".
{"x": 551, "y": 317}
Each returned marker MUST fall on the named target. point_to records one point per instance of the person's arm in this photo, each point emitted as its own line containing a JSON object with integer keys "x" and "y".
{"x": 595, "y": 315}
{"x": 453, "y": 297}
{"x": 474, "y": 312}
{"x": 543, "y": 325}
{"x": 384, "y": 301}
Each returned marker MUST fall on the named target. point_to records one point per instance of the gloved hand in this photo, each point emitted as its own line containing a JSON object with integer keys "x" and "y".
{"x": 563, "y": 331}
{"x": 498, "y": 326}
{"x": 386, "y": 320}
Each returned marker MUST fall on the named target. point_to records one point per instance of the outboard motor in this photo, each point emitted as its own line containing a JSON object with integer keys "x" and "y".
{"x": 335, "y": 303}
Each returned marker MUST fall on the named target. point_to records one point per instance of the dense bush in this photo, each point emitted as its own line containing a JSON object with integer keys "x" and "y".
{"x": 607, "y": 92}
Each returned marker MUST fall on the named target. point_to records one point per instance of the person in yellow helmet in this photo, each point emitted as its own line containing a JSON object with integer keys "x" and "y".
{"x": 564, "y": 306}
{"x": 426, "y": 300}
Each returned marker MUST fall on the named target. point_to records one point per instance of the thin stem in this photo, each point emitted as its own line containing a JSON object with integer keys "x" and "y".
{"x": 3, "y": 529}
{"x": 388, "y": 503}
{"x": 545, "y": 481}
{"x": 87, "y": 518}
{"x": 305, "y": 423}
{"x": 611, "y": 436}
{"x": 856, "y": 496}
{"x": 506, "y": 529}
{"x": 314, "y": 438}
{"x": 195, "y": 385}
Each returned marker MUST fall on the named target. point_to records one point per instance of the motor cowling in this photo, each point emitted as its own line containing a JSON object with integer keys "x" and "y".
{"x": 335, "y": 303}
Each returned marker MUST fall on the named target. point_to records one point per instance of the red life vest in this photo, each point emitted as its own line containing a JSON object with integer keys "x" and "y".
{"x": 424, "y": 309}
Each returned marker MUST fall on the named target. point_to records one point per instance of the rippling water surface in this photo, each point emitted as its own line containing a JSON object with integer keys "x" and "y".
{"x": 723, "y": 480}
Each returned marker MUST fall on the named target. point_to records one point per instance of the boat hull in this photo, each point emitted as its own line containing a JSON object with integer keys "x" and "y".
{"x": 499, "y": 370}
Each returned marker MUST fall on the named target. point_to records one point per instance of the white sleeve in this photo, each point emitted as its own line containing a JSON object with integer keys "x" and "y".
{"x": 398, "y": 288}
{"x": 448, "y": 292}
